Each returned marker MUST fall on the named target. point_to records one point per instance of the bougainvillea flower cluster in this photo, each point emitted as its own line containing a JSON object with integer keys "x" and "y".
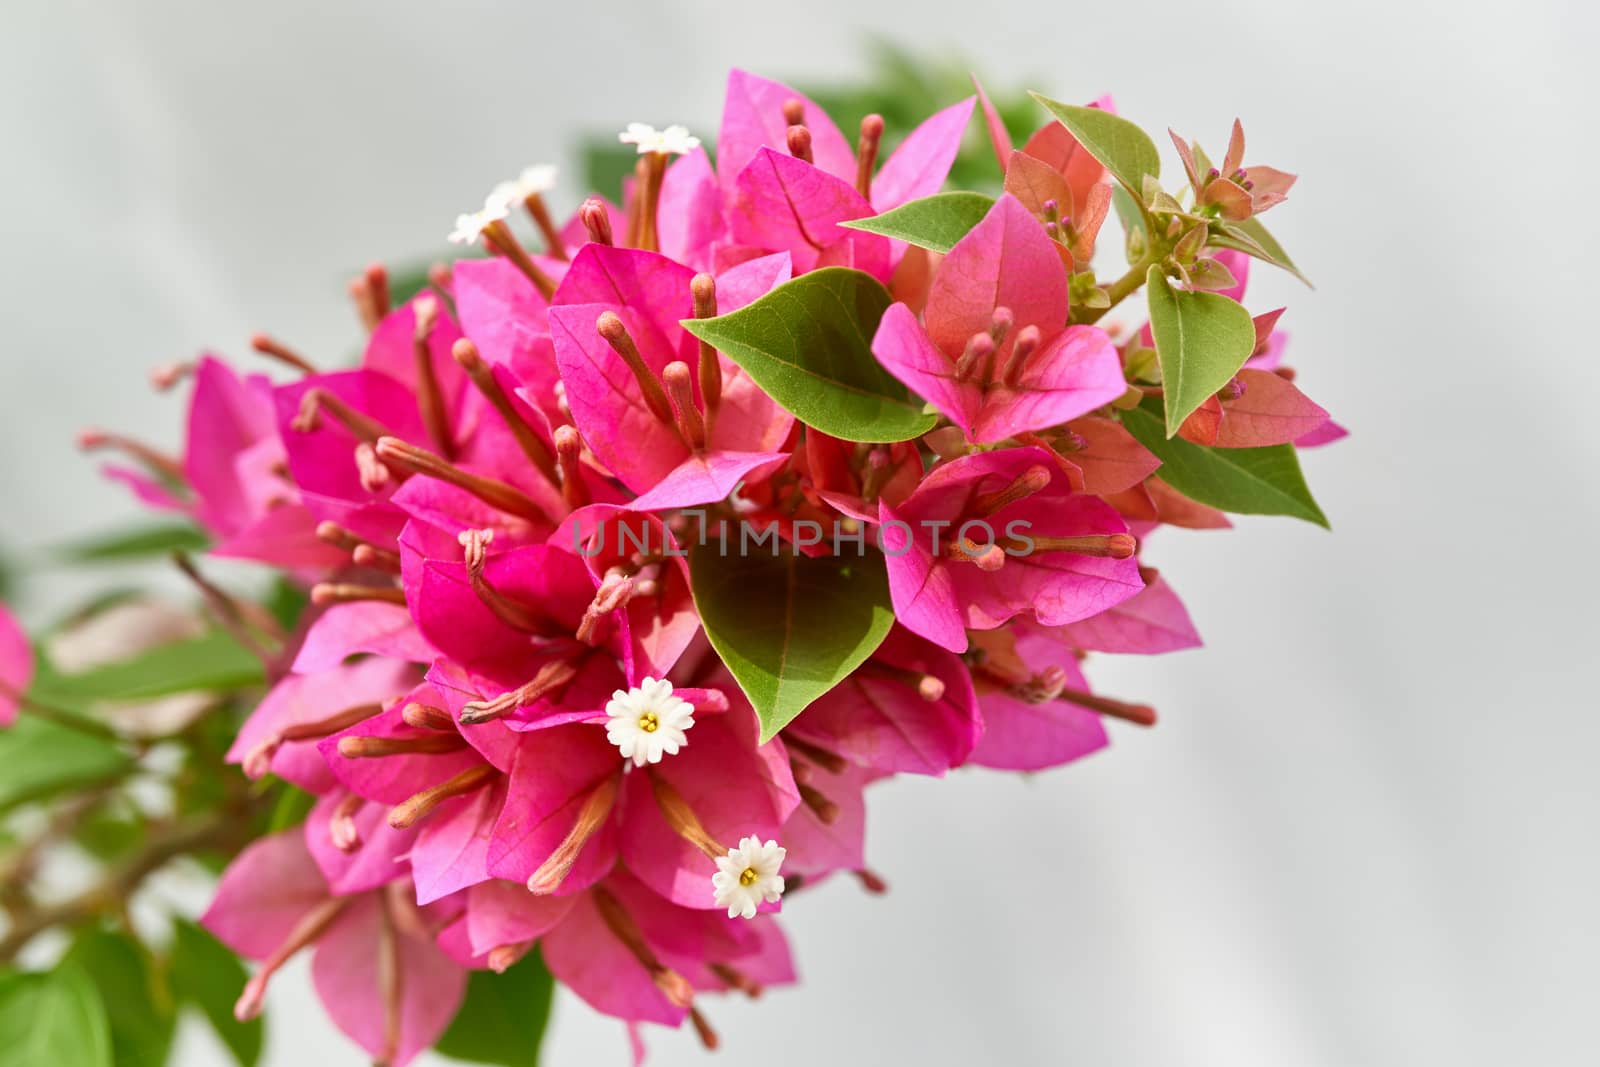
{"x": 639, "y": 550}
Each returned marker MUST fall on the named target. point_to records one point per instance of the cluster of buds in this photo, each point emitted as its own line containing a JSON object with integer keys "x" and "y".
{"x": 516, "y": 694}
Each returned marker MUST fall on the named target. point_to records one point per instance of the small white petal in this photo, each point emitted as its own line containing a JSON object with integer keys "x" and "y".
{"x": 674, "y": 140}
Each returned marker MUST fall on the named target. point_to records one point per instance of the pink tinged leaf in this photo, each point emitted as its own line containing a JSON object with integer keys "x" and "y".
{"x": 345, "y": 972}
{"x": 1230, "y": 197}
{"x": 391, "y": 350}
{"x": 1055, "y": 587}
{"x": 227, "y": 415}
{"x": 748, "y": 281}
{"x": 1269, "y": 350}
{"x": 264, "y": 893}
{"x": 1089, "y": 219}
{"x": 493, "y": 740}
{"x": 453, "y": 618}
{"x": 555, "y": 772}
{"x": 396, "y": 778}
{"x": 322, "y": 460}
{"x": 607, "y": 403}
{"x": 704, "y": 478}
{"x": 1235, "y": 153}
{"x": 308, "y": 698}
{"x": 659, "y": 626}
{"x": 1151, "y": 622}
{"x": 655, "y": 287}
{"x": 1006, "y": 260}
{"x": 16, "y": 665}
{"x": 379, "y": 858}
{"x": 906, "y": 352}
{"x": 587, "y": 958}
{"x": 1111, "y": 460}
{"x": 1186, "y": 154}
{"x": 815, "y": 848}
{"x": 505, "y": 317}
{"x": 785, "y": 204}
{"x": 689, "y": 217}
{"x": 881, "y": 721}
{"x": 1020, "y": 736}
{"x": 1054, "y": 145}
{"x": 999, "y": 137}
{"x": 1270, "y": 186}
{"x": 752, "y": 119}
{"x": 1075, "y": 372}
{"x": 920, "y": 165}
{"x": 920, "y": 585}
{"x": 505, "y": 913}
{"x": 344, "y": 630}
{"x": 1203, "y": 425}
{"x": 1238, "y": 265}
{"x": 735, "y": 787}
{"x": 147, "y": 490}
{"x": 1325, "y": 434}
{"x": 1035, "y": 182}
{"x": 1271, "y": 412}
{"x": 285, "y": 537}
{"x": 452, "y": 846}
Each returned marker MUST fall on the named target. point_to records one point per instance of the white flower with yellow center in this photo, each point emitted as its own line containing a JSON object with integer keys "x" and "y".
{"x": 673, "y": 141}
{"x": 533, "y": 181}
{"x": 470, "y": 227}
{"x": 648, "y": 721}
{"x": 748, "y": 877}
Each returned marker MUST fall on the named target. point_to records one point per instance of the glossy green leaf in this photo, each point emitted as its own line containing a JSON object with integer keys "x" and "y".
{"x": 1245, "y": 481}
{"x": 789, "y": 627}
{"x": 503, "y": 1018}
{"x": 138, "y": 1006}
{"x": 1121, "y": 147}
{"x": 39, "y": 758}
{"x": 1252, "y": 238}
{"x": 208, "y": 976}
{"x": 936, "y": 222}
{"x": 808, "y": 344}
{"x": 214, "y": 661}
{"x": 1202, "y": 339}
{"x": 53, "y": 1020}
{"x": 138, "y": 544}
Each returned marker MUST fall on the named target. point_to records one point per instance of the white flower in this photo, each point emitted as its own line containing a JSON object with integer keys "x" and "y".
{"x": 533, "y": 181}
{"x": 748, "y": 877}
{"x": 470, "y": 227}
{"x": 674, "y": 140}
{"x": 648, "y": 722}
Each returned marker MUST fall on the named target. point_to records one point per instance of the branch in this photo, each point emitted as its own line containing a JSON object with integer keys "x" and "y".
{"x": 169, "y": 843}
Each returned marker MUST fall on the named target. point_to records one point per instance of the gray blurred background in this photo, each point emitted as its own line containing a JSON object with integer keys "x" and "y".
{"x": 1363, "y": 832}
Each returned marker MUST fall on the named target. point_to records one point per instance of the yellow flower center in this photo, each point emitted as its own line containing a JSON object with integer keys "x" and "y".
{"x": 748, "y": 876}
{"x": 648, "y": 722}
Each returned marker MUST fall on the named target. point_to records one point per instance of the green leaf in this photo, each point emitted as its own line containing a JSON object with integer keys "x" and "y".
{"x": 1202, "y": 340}
{"x": 1245, "y": 481}
{"x": 935, "y": 222}
{"x": 1121, "y": 147}
{"x": 789, "y": 627}
{"x": 808, "y": 344}
{"x": 210, "y": 977}
{"x": 39, "y": 758}
{"x": 214, "y": 661}
{"x": 137, "y": 544}
{"x": 1252, "y": 238}
{"x": 1133, "y": 222}
{"x": 139, "y": 1010}
{"x": 503, "y": 1018}
{"x": 53, "y": 1020}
